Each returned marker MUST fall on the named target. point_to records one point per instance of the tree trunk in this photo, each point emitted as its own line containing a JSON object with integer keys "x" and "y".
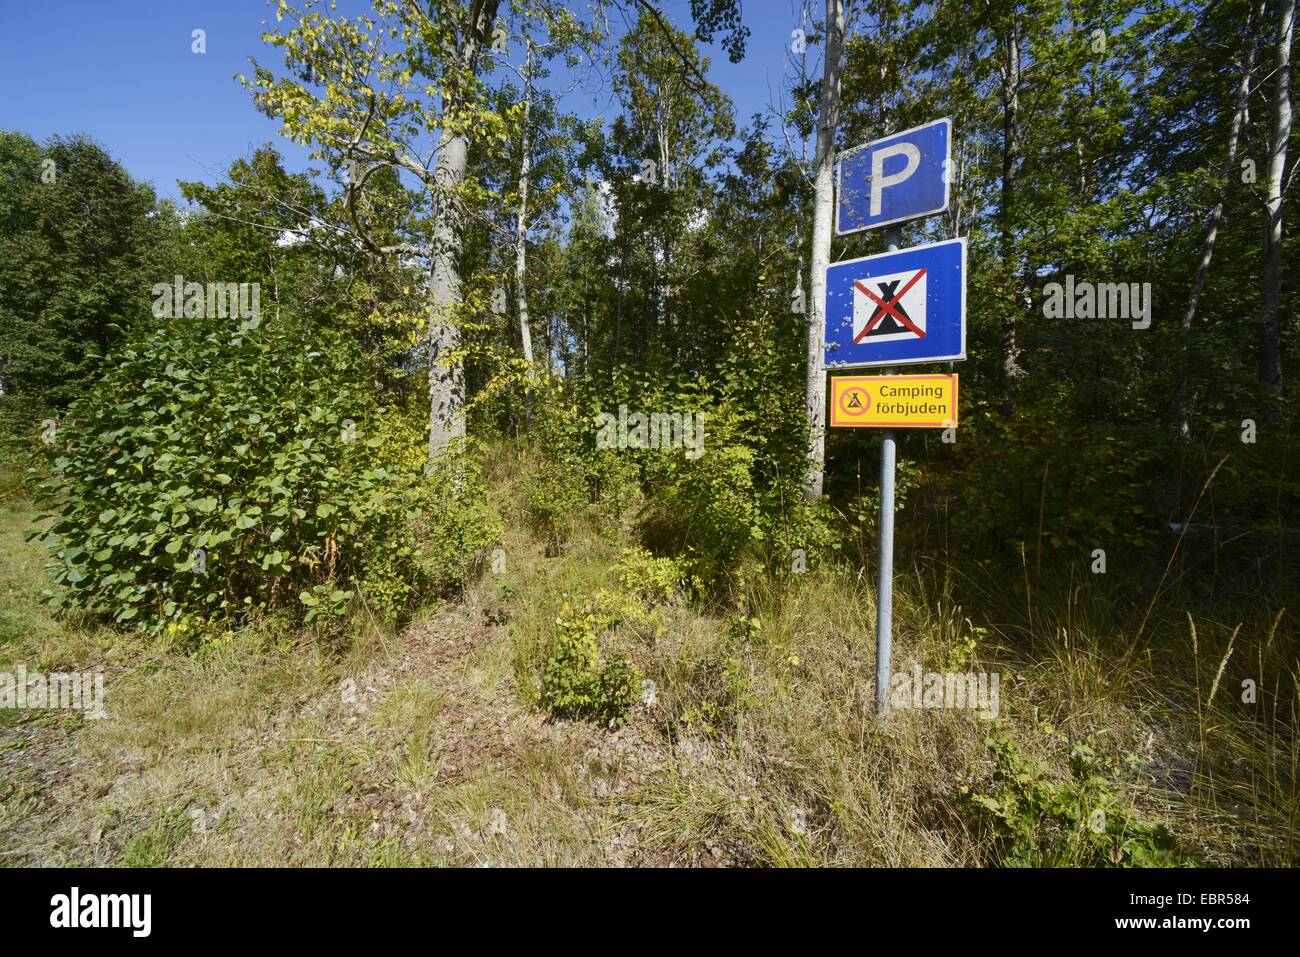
{"x": 1270, "y": 332}
{"x": 1216, "y": 214}
{"x": 1010, "y": 70}
{"x": 521, "y": 235}
{"x": 446, "y": 374}
{"x": 823, "y": 212}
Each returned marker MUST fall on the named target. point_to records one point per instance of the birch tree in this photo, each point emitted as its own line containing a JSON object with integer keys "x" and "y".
{"x": 521, "y": 234}
{"x": 1270, "y": 332}
{"x": 1009, "y": 51}
{"x": 396, "y": 88}
{"x": 823, "y": 212}
{"x": 1241, "y": 104}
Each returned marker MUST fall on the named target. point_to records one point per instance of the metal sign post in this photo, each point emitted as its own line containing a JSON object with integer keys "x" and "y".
{"x": 885, "y": 573}
{"x": 885, "y": 534}
{"x": 896, "y": 308}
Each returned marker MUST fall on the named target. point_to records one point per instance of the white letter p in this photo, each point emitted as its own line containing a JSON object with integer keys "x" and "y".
{"x": 878, "y": 178}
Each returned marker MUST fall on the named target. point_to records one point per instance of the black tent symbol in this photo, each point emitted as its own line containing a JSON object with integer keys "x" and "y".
{"x": 890, "y": 309}
{"x": 888, "y": 325}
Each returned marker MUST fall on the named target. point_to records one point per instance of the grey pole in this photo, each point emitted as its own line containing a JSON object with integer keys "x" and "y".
{"x": 885, "y": 531}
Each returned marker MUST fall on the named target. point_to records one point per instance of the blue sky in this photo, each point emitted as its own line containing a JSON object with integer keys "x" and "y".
{"x": 122, "y": 72}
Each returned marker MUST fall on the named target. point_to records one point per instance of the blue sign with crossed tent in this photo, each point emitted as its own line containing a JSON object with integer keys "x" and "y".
{"x": 900, "y": 177}
{"x": 897, "y": 308}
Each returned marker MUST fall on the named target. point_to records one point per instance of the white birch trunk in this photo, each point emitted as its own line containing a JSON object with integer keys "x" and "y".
{"x": 823, "y": 213}
{"x": 521, "y": 233}
{"x": 1270, "y": 333}
{"x": 1242, "y": 103}
{"x": 446, "y": 373}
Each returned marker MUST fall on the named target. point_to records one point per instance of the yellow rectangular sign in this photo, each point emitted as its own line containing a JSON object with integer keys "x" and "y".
{"x": 886, "y": 401}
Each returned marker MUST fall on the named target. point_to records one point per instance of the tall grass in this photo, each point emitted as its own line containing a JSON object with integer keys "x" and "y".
{"x": 760, "y": 744}
{"x": 765, "y": 703}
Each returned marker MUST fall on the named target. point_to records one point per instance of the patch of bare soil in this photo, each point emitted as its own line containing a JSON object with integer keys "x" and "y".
{"x": 37, "y": 752}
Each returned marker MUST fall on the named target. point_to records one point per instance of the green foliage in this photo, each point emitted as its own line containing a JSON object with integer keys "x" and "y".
{"x": 556, "y": 493}
{"x": 705, "y": 509}
{"x": 614, "y": 482}
{"x": 238, "y": 232}
{"x": 80, "y": 245}
{"x": 587, "y": 677}
{"x": 1081, "y": 821}
{"x": 1066, "y": 485}
{"x": 219, "y": 474}
{"x": 570, "y": 474}
{"x": 732, "y": 504}
{"x": 647, "y": 577}
{"x": 453, "y": 525}
{"x": 555, "y": 499}
{"x": 961, "y": 651}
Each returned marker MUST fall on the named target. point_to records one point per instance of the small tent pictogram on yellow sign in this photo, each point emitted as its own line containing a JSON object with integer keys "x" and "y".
{"x": 894, "y": 401}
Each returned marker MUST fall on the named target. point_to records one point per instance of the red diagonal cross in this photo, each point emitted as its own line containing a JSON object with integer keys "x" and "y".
{"x": 888, "y": 307}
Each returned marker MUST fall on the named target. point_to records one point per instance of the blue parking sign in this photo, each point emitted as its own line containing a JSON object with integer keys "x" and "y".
{"x": 900, "y": 177}
{"x": 897, "y": 308}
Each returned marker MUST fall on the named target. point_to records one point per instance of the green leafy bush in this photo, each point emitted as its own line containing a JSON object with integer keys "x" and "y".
{"x": 585, "y": 677}
{"x": 717, "y": 513}
{"x": 454, "y": 522}
{"x": 704, "y": 509}
{"x": 613, "y": 479}
{"x": 556, "y": 492}
{"x": 1064, "y": 485}
{"x": 1080, "y": 821}
{"x": 643, "y": 575}
{"x": 217, "y": 473}
{"x": 555, "y": 497}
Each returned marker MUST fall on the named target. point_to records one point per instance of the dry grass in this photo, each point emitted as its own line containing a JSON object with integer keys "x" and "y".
{"x": 761, "y": 747}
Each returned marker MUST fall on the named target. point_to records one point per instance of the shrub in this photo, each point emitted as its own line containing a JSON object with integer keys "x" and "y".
{"x": 1059, "y": 485}
{"x": 585, "y": 678}
{"x": 790, "y": 522}
{"x": 21, "y": 434}
{"x": 613, "y": 481}
{"x": 556, "y": 493}
{"x": 572, "y": 477}
{"x": 454, "y": 522}
{"x": 216, "y": 473}
{"x": 555, "y": 497}
{"x": 644, "y": 576}
{"x": 1080, "y": 821}
{"x": 704, "y": 509}
{"x": 739, "y": 501}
